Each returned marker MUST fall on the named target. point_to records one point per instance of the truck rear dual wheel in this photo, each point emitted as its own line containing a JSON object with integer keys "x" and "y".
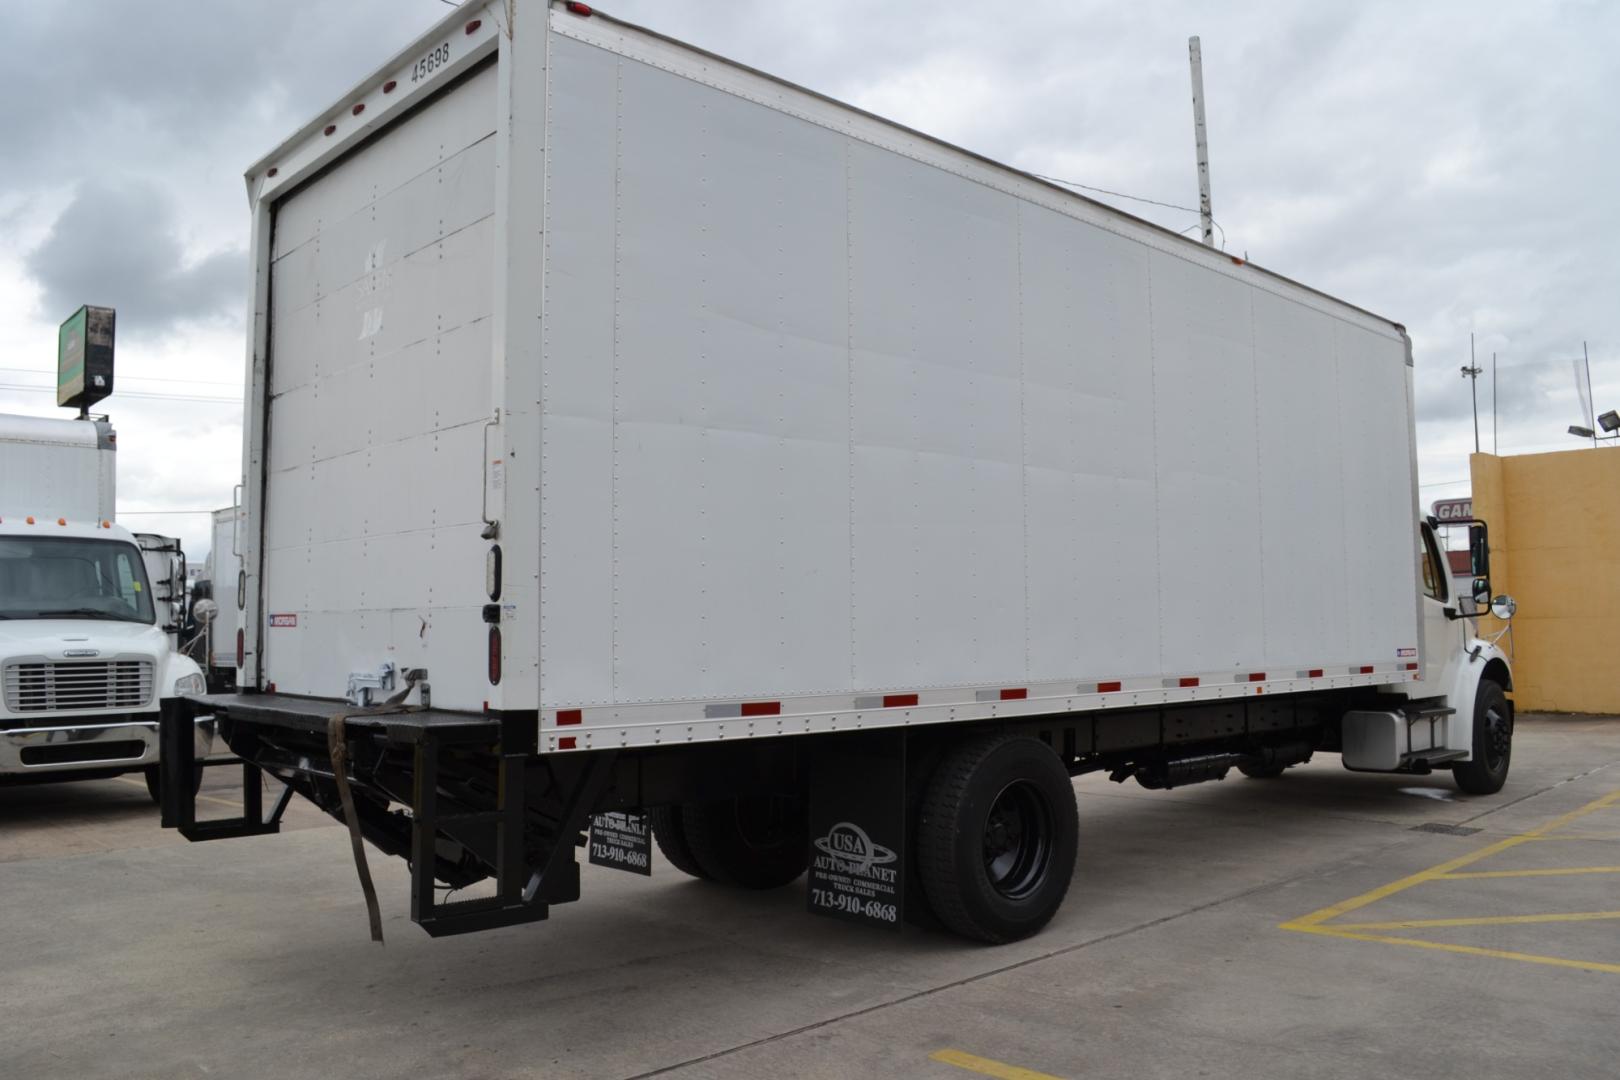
{"x": 1487, "y": 770}
{"x": 759, "y": 843}
{"x": 997, "y": 836}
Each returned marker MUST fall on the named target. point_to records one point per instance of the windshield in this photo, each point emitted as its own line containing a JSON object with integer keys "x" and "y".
{"x": 72, "y": 578}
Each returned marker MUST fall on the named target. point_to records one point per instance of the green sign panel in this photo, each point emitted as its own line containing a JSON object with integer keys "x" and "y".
{"x": 84, "y": 357}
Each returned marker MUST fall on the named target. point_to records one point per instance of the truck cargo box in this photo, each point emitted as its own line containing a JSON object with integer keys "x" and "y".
{"x": 606, "y": 379}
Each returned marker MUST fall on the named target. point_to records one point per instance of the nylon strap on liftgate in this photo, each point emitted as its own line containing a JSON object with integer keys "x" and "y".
{"x": 337, "y": 745}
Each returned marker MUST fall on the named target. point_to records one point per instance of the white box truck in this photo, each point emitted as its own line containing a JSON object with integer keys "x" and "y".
{"x": 86, "y": 664}
{"x": 640, "y": 443}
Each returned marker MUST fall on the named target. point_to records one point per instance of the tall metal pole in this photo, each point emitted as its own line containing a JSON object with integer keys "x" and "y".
{"x": 1587, "y": 357}
{"x": 1493, "y": 403}
{"x": 1470, "y": 372}
{"x": 1206, "y": 216}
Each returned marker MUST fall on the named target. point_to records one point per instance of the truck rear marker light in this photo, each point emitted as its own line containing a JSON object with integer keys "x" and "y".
{"x": 1257, "y": 676}
{"x": 494, "y": 654}
{"x": 1364, "y": 669}
{"x": 271, "y": 171}
{"x": 1109, "y": 687}
{"x": 899, "y": 701}
{"x": 1311, "y": 673}
{"x": 1187, "y": 680}
{"x": 760, "y": 708}
{"x": 570, "y": 716}
{"x": 1018, "y": 694}
{"x": 568, "y": 742}
{"x": 472, "y": 27}
{"x": 329, "y": 129}
{"x": 576, "y": 8}
{"x": 240, "y": 655}
{"x": 1411, "y": 667}
{"x": 388, "y": 87}
{"x": 358, "y": 109}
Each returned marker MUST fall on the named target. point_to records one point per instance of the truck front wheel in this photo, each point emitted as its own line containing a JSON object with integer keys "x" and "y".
{"x": 759, "y": 843}
{"x": 997, "y": 837}
{"x": 153, "y": 782}
{"x": 1487, "y": 770}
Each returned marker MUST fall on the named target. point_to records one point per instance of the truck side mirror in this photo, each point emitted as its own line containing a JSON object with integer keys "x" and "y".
{"x": 1479, "y": 550}
{"x": 1482, "y": 592}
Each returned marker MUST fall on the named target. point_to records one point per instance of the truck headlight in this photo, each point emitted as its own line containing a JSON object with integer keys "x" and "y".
{"x": 190, "y": 684}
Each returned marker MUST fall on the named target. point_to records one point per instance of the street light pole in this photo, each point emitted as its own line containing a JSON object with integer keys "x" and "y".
{"x": 1471, "y": 372}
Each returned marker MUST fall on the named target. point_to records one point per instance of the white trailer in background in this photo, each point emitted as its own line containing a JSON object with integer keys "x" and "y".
{"x": 86, "y": 665}
{"x": 219, "y": 583}
{"x": 166, "y": 571}
{"x": 633, "y": 434}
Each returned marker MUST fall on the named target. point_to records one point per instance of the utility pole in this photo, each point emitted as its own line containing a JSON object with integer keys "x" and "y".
{"x": 1471, "y": 371}
{"x": 1206, "y": 216}
{"x": 1586, "y": 358}
{"x": 1493, "y": 403}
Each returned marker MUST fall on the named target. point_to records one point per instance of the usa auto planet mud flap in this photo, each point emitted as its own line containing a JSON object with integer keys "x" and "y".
{"x": 622, "y": 840}
{"x": 858, "y": 829}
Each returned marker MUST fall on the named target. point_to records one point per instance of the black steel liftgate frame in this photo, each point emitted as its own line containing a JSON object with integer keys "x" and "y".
{"x": 524, "y": 887}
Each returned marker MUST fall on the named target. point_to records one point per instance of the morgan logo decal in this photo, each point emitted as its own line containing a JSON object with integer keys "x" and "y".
{"x": 284, "y": 620}
{"x": 1405, "y": 652}
{"x": 848, "y": 843}
{"x": 81, "y": 652}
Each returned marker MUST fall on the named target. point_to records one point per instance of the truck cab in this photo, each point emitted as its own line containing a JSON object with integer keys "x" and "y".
{"x": 86, "y": 661}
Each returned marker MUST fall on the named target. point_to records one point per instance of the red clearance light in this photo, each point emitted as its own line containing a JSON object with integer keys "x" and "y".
{"x": 1187, "y": 680}
{"x": 472, "y": 27}
{"x": 388, "y": 87}
{"x": 1109, "y": 687}
{"x": 494, "y": 655}
{"x": 1411, "y": 667}
{"x": 1015, "y": 695}
{"x": 1257, "y": 676}
{"x": 761, "y": 708}
{"x": 358, "y": 109}
{"x": 567, "y": 743}
{"x": 1315, "y": 673}
{"x": 576, "y": 8}
{"x": 271, "y": 171}
{"x": 1366, "y": 669}
{"x": 329, "y": 129}
{"x": 240, "y": 652}
{"x": 899, "y": 701}
{"x": 570, "y": 716}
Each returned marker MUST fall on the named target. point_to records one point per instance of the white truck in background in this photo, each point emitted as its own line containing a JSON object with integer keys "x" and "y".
{"x": 640, "y": 443}
{"x": 166, "y": 571}
{"x": 86, "y": 662}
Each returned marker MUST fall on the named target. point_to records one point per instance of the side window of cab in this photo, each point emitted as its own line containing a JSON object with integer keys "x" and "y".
{"x": 1432, "y": 568}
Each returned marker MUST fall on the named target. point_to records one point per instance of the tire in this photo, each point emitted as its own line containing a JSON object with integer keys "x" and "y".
{"x": 1487, "y": 770}
{"x": 152, "y": 780}
{"x": 671, "y": 836}
{"x": 750, "y": 843}
{"x": 1262, "y": 772}
{"x": 997, "y": 836}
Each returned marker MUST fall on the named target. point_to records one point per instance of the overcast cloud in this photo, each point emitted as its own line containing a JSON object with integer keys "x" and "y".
{"x": 1446, "y": 165}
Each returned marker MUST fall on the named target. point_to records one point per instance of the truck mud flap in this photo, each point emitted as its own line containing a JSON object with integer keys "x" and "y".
{"x": 858, "y": 859}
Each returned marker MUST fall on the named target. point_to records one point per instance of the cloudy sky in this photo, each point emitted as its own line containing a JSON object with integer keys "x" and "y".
{"x": 1446, "y": 165}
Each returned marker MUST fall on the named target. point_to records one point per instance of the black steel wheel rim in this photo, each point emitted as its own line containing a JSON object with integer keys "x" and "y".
{"x": 1018, "y": 841}
{"x": 1498, "y": 739}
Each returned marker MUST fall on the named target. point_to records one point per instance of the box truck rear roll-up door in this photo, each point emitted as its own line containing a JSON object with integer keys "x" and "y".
{"x": 381, "y": 273}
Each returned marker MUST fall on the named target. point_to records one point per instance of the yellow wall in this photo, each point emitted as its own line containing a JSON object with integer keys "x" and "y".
{"x": 1555, "y": 548}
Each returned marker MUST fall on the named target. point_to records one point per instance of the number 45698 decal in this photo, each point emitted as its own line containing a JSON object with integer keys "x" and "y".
{"x": 430, "y": 63}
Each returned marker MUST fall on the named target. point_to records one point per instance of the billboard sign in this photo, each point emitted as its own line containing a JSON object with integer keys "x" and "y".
{"x": 84, "y": 357}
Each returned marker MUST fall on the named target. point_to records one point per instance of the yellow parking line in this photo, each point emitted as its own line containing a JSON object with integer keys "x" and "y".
{"x": 200, "y": 798}
{"x": 986, "y": 1067}
{"x": 1314, "y": 920}
{"x": 1554, "y": 872}
{"x": 1483, "y": 920}
{"x": 1611, "y": 837}
{"x": 1472, "y": 950}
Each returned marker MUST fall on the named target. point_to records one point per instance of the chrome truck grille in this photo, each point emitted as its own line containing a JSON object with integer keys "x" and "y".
{"x": 44, "y": 686}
